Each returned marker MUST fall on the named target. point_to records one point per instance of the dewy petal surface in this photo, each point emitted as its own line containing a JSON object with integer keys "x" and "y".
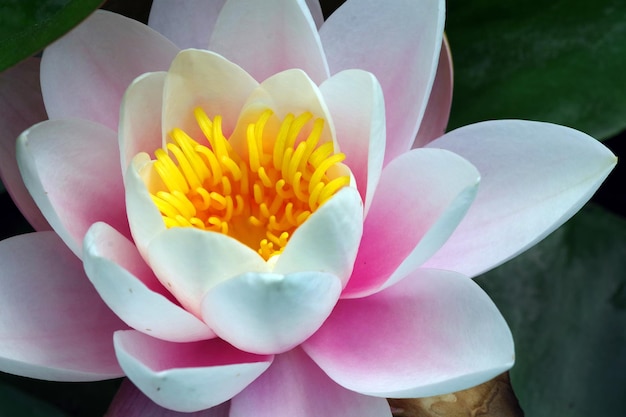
{"x": 355, "y": 99}
{"x": 131, "y": 290}
{"x": 71, "y": 169}
{"x": 433, "y": 333}
{"x": 535, "y": 176}
{"x": 440, "y": 101}
{"x": 140, "y": 117}
{"x": 187, "y": 23}
{"x": 189, "y": 261}
{"x": 53, "y": 324}
{"x": 270, "y": 313}
{"x": 422, "y": 196}
{"x": 130, "y": 402}
{"x": 21, "y": 106}
{"x": 295, "y": 386}
{"x": 399, "y": 43}
{"x": 85, "y": 73}
{"x": 266, "y": 37}
{"x": 187, "y": 377}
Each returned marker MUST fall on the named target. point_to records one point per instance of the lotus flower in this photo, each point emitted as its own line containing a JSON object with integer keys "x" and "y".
{"x": 258, "y": 236}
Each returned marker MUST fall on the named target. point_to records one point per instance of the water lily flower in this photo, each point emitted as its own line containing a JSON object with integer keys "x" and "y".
{"x": 257, "y": 235}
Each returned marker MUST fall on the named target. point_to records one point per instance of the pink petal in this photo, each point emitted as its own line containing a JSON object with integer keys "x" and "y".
{"x": 53, "y": 325}
{"x": 295, "y": 386}
{"x": 71, "y": 169}
{"x": 204, "y": 79}
{"x": 422, "y": 196}
{"x": 356, "y": 102}
{"x": 21, "y": 106}
{"x": 140, "y": 117}
{"x": 131, "y": 290}
{"x": 268, "y": 313}
{"x": 187, "y": 377}
{"x": 189, "y": 262}
{"x": 399, "y": 43}
{"x": 270, "y": 36}
{"x": 187, "y": 23}
{"x": 438, "y": 109}
{"x": 328, "y": 240}
{"x": 433, "y": 333}
{"x": 535, "y": 176}
{"x": 85, "y": 73}
{"x": 130, "y": 402}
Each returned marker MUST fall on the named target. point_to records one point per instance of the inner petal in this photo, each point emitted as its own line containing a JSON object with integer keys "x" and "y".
{"x": 258, "y": 196}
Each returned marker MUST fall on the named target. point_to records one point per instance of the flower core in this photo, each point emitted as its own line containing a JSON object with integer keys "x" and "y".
{"x": 259, "y": 195}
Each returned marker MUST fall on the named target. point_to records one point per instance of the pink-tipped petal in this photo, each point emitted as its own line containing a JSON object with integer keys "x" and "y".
{"x": 268, "y": 313}
{"x": 21, "y": 106}
{"x": 53, "y": 324}
{"x": 328, "y": 240}
{"x": 433, "y": 333}
{"x": 270, "y": 36}
{"x": 85, "y": 73}
{"x": 187, "y": 377}
{"x": 140, "y": 117}
{"x": 399, "y": 43}
{"x": 295, "y": 386}
{"x": 144, "y": 218}
{"x": 535, "y": 176}
{"x": 71, "y": 169}
{"x": 207, "y": 80}
{"x": 131, "y": 290}
{"x": 189, "y": 261}
{"x": 130, "y": 402}
{"x": 356, "y": 102}
{"x": 187, "y": 23}
{"x": 440, "y": 101}
{"x": 421, "y": 198}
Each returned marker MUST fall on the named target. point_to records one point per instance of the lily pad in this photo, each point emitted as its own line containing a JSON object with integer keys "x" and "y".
{"x": 565, "y": 301}
{"x": 16, "y": 403}
{"x": 27, "y": 26}
{"x": 561, "y": 61}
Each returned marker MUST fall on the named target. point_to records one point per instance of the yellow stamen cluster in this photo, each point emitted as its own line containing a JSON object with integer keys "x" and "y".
{"x": 260, "y": 198}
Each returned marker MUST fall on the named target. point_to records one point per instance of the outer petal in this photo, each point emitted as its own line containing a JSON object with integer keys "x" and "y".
{"x": 266, "y": 37}
{"x": 131, "y": 290}
{"x": 140, "y": 117}
{"x": 433, "y": 333}
{"x": 144, "y": 218}
{"x": 85, "y": 73}
{"x": 53, "y": 325}
{"x": 204, "y": 79}
{"x": 21, "y": 106}
{"x": 328, "y": 240}
{"x": 70, "y": 168}
{"x": 130, "y": 402}
{"x": 422, "y": 196}
{"x": 404, "y": 60}
{"x": 440, "y": 101}
{"x": 355, "y": 100}
{"x": 535, "y": 176}
{"x": 189, "y": 261}
{"x": 316, "y": 12}
{"x": 187, "y": 376}
{"x": 295, "y": 386}
{"x": 187, "y": 23}
{"x": 270, "y": 313}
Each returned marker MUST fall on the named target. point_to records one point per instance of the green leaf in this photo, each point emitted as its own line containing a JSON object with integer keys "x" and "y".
{"x": 28, "y": 26}
{"x": 561, "y": 61}
{"x": 15, "y": 403}
{"x": 565, "y": 301}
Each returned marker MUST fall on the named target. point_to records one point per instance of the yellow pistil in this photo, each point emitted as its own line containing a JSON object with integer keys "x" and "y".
{"x": 259, "y": 198}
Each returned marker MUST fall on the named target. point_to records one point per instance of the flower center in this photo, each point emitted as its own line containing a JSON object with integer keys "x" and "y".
{"x": 260, "y": 198}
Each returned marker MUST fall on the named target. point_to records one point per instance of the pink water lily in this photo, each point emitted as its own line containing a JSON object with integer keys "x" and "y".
{"x": 292, "y": 255}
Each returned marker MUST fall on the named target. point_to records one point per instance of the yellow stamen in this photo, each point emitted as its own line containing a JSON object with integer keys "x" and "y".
{"x": 261, "y": 199}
